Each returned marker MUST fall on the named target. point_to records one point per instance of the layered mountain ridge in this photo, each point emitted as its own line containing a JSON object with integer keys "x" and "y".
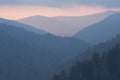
{"x": 101, "y": 31}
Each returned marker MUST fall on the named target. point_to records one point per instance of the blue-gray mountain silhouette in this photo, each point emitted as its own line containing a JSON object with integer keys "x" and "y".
{"x": 25, "y": 55}
{"x": 101, "y": 31}
{"x": 26, "y": 27}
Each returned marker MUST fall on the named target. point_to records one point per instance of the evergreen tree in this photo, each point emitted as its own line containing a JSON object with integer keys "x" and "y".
{"x": 100, "y": 67}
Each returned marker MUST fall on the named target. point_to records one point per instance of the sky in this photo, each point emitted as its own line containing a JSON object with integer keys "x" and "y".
{"x": 16, "y": 9}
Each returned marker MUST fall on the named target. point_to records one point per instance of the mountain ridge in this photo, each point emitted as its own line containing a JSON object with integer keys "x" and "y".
{"x": 27, "y": 55}
{"x": 25, "y": 26}
{"x": 64, "y": 26}
{"x": 101, "y": 31}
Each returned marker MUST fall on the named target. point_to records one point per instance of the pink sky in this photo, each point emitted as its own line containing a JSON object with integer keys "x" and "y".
{"x": 17, "y": 12}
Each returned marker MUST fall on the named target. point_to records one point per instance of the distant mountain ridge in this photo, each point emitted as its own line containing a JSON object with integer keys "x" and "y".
{"x": 101, "y": 31}
{"x": 25, "y": 26}
{"x": 63, "y": 25}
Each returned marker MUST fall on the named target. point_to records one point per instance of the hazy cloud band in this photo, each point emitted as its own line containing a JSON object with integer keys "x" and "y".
{"x": 16, "y": 12}
{"x": 61, "y": 3}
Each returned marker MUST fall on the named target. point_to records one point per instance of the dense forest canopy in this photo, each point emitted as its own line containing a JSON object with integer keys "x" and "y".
{"x": 99, "y": 67}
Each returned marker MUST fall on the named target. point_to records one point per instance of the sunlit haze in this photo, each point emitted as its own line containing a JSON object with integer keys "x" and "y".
{"x": 17, "y": 12}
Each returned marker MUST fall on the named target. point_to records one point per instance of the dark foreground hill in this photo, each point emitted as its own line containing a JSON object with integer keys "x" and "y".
{"x": 25, "y": 55}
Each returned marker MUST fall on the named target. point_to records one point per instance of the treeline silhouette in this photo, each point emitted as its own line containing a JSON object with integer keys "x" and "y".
{"x": 99, "y": 67}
